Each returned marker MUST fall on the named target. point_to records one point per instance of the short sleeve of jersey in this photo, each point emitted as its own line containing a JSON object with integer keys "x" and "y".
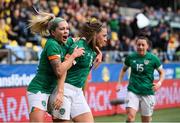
{"x": 72, "y": 48}
{"x": 53, "y": 49}
{"x": 127, "y": 61}
{"x": 157, "y": 62}
{"x": 70, "y": 41}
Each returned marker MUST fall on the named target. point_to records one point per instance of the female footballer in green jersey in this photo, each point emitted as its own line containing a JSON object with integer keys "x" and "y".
{"x": 50, "y": 68}
{"x": 141, "y": 86}
{"x": 93, "y": 34}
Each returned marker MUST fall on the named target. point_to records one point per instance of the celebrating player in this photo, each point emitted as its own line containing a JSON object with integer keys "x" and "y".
{"x": 93, "y": 34}
{"x": 141, "y": 86}
{"x": 50, "y": 68}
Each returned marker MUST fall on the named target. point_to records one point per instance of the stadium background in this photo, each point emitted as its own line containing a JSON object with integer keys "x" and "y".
{"x": 20, "y": 49}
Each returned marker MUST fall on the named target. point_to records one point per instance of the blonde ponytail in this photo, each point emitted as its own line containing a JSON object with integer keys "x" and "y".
{"x": 39, "y": 24}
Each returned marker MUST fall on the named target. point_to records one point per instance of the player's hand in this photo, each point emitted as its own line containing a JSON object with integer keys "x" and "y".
{"x": 156, "y": 85}
{"x": 118, "y": 87}
{"x": 98, "y": 58}
{"x": 58, "y": 100}
{"x": 78, "y": 52}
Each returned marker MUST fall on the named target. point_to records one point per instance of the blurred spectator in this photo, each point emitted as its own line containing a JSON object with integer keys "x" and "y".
{"x": 3, "y": 33}
{"x": 163, "y": 30}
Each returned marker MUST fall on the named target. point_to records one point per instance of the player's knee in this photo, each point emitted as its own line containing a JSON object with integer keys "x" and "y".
{"x": 146, "y": 119}
{"x": 130, "y": 117}
{"x": 36, "y": 118}
{"x": 36, "y": 115}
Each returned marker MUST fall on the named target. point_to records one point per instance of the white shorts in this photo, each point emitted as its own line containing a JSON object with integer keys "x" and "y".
{"x": 38, "y": 100}
{"x": 74, "y": 103}
{"x": 145, "y": 104}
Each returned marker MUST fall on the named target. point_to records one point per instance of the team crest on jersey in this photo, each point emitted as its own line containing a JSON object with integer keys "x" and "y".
{"x": 62, "y": 111}
{"x": 146, "y": 62}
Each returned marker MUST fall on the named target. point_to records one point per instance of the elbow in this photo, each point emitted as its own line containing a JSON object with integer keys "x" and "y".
{"x": 60, "y": 73}
{"x": 162, "y": 73}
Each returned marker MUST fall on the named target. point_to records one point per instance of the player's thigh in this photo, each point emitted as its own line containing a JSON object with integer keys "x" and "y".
{"x": 37, "y": 101}
{"x": 37, "y": 116}
{"x": 37, "y": 106}
{"x": 132, "y": 100}
{"x": 64, "y": 112}
{"x": 147, "y": 105}
{"x": 80, "y": 107}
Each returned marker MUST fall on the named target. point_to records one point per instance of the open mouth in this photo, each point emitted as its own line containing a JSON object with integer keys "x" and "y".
{"x": 65, "y": 38}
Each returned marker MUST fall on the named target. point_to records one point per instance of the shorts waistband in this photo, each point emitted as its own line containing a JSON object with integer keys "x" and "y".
{"x": 72, "y": 87}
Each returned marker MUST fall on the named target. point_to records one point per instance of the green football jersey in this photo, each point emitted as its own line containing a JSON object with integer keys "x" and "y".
{"x": 142, "y": 72}
{"x": 78, "y": 73}
{"x": 45, "y": 79}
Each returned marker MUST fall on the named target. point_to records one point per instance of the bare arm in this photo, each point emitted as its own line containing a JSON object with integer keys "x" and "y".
{"x": 57, "y": 66}
{"x": 64, "y": 66}
{"x": 161, "y": 79}
{"x": 121, "y": 75}
{"x": 60, "y": 70}
{"x": 58, "y": 101}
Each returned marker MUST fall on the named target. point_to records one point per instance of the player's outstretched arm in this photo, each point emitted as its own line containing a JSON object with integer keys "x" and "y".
{"x": 158, "y": 84}
{"x": 121, "y": 75}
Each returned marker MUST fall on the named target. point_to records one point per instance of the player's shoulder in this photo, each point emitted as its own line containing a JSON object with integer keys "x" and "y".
{"x": 51, "y": 41}
{"x": 152, "y": 56}
{"x": 70, "y": 41}
{"x": 80, "y": 43}
{"x": 132, "y": 55}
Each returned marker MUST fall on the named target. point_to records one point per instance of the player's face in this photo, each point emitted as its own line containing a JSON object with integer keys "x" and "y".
{"x": 142, "y": 46}
{"x": 102, "y": 38}
{"x": 61, "y": 33}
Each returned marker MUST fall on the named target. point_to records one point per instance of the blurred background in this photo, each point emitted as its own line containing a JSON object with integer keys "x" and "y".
{"x": 20, "y": 49}
{"x": 125, "y": 19}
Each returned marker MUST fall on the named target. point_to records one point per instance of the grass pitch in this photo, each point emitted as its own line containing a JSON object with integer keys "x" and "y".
{"x": 163, "y": 115}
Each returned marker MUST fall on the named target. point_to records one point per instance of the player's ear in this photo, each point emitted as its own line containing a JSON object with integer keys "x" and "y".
{"x": 53, "y": 33}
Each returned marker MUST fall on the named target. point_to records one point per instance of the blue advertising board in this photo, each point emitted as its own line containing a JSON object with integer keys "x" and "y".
{"x": 110, "y": 72}
{"x": 21, "y": 75}
{"x": 16, "y": 75}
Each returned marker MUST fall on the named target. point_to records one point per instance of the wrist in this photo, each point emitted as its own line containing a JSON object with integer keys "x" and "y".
{"x": 119, "y": 83}
{"x": 159, "y": 82}
{"x": 73, "y": 56}
{"x": 60, "y": 91}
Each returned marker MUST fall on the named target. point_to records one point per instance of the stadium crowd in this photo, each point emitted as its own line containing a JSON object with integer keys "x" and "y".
{"x": 25, "y": 46}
